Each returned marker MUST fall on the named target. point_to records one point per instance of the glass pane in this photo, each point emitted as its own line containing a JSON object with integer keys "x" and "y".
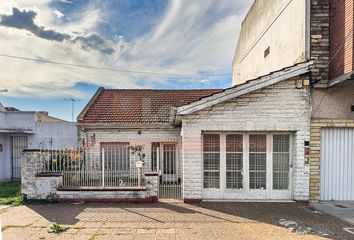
{"x": 234, "y": 143}
{"x": 258, "y": 143}
{"x": 212, "y": 179}
{"x": 211, "y": 160}
{"x": 258, "y": 170}
{"x": 257, "y": 162}
{"x": 234, "y": 161}
{"x": 281, "y": 158}
{"x": 234, "y": 167}
{"x": 211, "y": 143}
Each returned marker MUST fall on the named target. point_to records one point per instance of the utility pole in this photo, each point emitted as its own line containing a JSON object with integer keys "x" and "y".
{"x": 72, "y": 108}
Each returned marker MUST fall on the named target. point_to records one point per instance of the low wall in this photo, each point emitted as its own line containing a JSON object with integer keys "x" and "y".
{"x": 37, "y": 185}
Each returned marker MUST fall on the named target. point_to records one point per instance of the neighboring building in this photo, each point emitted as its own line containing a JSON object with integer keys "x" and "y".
{"x": 323, "y": 32}
{"x": 21, "y": 130}
{"x": 272, "y": 30}
{"x": 244, "y": 142}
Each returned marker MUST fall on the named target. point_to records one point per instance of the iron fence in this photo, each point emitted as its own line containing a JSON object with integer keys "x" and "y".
{"x": 111, "y": 166}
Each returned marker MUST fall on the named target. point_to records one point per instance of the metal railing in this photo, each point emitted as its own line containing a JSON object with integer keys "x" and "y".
{"x": 111, "y": 166}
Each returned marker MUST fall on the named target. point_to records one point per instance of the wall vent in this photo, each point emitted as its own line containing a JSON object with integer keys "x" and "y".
{"x": 266, "y": 52}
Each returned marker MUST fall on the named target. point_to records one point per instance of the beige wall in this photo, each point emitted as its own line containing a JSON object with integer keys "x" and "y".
{"x": 334, "y": 102}
{"x": 286, "y": 38}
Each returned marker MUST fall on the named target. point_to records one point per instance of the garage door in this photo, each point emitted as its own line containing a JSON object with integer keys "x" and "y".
{"x": 337, "y": 164}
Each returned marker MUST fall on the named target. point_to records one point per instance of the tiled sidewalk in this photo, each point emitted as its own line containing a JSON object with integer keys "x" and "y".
{"x": 165, "y": 221}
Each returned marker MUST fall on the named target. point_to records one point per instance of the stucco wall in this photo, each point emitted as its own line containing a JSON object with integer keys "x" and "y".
{"x": 5, "y": 169}
{"x": 334, "y": 102}
{"x": 53, "y": 135}
{"x": 280, "y": 107}
{"x": 278, "y": 24}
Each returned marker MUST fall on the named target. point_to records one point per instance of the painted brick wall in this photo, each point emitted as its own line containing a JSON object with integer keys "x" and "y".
{"x": 341, "y": 37}
{"x": 280, "y": 107}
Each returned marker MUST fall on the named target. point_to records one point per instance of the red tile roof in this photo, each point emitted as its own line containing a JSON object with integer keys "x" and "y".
{"x": 139, "y": 106}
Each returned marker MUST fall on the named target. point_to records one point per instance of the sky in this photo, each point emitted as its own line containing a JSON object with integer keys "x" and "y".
{"x": 160, "y": 44}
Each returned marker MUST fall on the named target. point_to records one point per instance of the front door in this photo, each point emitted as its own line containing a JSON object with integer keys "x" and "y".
{"x": 169, "y": 163}
{"x": 18, "y": 144}
{"x": 246, "y": 166}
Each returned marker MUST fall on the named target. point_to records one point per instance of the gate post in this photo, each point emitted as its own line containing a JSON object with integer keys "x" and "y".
{"x": 103, "y": 167}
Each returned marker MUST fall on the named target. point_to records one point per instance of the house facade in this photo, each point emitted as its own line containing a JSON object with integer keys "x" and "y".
{"x": 21, "y": 130}
{"x": 246, "y": 142}
{"x": 321, "y": 31}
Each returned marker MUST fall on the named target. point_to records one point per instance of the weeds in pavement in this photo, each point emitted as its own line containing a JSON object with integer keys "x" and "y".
{"x": 56, "y": 228}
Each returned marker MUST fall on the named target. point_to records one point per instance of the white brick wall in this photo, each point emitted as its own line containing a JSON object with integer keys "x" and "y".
{"x": 281, "y": 107}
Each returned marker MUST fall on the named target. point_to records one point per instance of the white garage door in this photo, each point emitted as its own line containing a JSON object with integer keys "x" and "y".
{"x": 337, "y": 164}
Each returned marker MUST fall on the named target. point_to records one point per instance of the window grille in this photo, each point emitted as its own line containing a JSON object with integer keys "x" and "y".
{"x": 117, "y": 156}
{"x": 257, "y": 162}
{"x": 234, "y": 161}
{"x": 211, "y": 160}
{"x": 154, "y": 155}
{"x": 281, "y": 157}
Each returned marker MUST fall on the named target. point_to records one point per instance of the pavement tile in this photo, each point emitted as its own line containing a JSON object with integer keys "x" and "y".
{"x": 146, "y": 231}
{"x": 234, "y": 221}
{"x": 87, "y": 231}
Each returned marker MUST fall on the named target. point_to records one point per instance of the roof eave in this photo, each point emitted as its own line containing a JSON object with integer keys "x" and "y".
{"x": 245, "y": 88}
{"x": 88, "y": 105}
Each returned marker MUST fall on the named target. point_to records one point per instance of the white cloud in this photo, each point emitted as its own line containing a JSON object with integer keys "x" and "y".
{"x": 58, "y": 14}
{"x": 182, "y": 42}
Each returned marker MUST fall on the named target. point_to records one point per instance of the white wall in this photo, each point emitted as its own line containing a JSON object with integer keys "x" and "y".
{"x": 5, "y": 163}
{"x": 280, "y": 107}
{"x": 53, "y": 135}
{"x": 286, "y": 38}
{"x": 17, "y": 121}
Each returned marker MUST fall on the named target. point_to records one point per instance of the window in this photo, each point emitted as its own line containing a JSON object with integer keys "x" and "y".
{"x": 234, "y": 161}
{"x": 211, "y": 160}
{"x": 155, "y": 151}
{"x": 281, "y": 157}
{"x": 257, "y": 162}
{"x": 116, "y": 156}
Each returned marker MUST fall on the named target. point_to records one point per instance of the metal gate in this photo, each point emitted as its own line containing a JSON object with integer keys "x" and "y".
{"x": 337, "y": 164}
{"x": 111, "y": 167}
{"x": 18, "y": 144}
{"x": 165, "y": 159}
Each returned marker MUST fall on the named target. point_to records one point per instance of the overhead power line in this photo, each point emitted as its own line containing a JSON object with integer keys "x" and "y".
{"x": 103, "y": 68}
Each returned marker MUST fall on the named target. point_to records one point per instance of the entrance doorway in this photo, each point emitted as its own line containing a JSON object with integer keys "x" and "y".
{"x": 247, "y": 166}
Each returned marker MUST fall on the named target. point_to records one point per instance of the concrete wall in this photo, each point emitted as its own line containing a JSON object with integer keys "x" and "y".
{"x": 5, "y": 164}
{"x": 334, "y": 102}
{"x": 277, "y": 24}
{"x": 53, "y": 135}
{"x": 280, "y": 107}
{"x": 17, "y": 121}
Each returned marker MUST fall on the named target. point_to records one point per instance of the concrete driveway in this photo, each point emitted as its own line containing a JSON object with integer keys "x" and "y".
{"x": 341, "y": 210}
{"x": 171, "y": 221}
